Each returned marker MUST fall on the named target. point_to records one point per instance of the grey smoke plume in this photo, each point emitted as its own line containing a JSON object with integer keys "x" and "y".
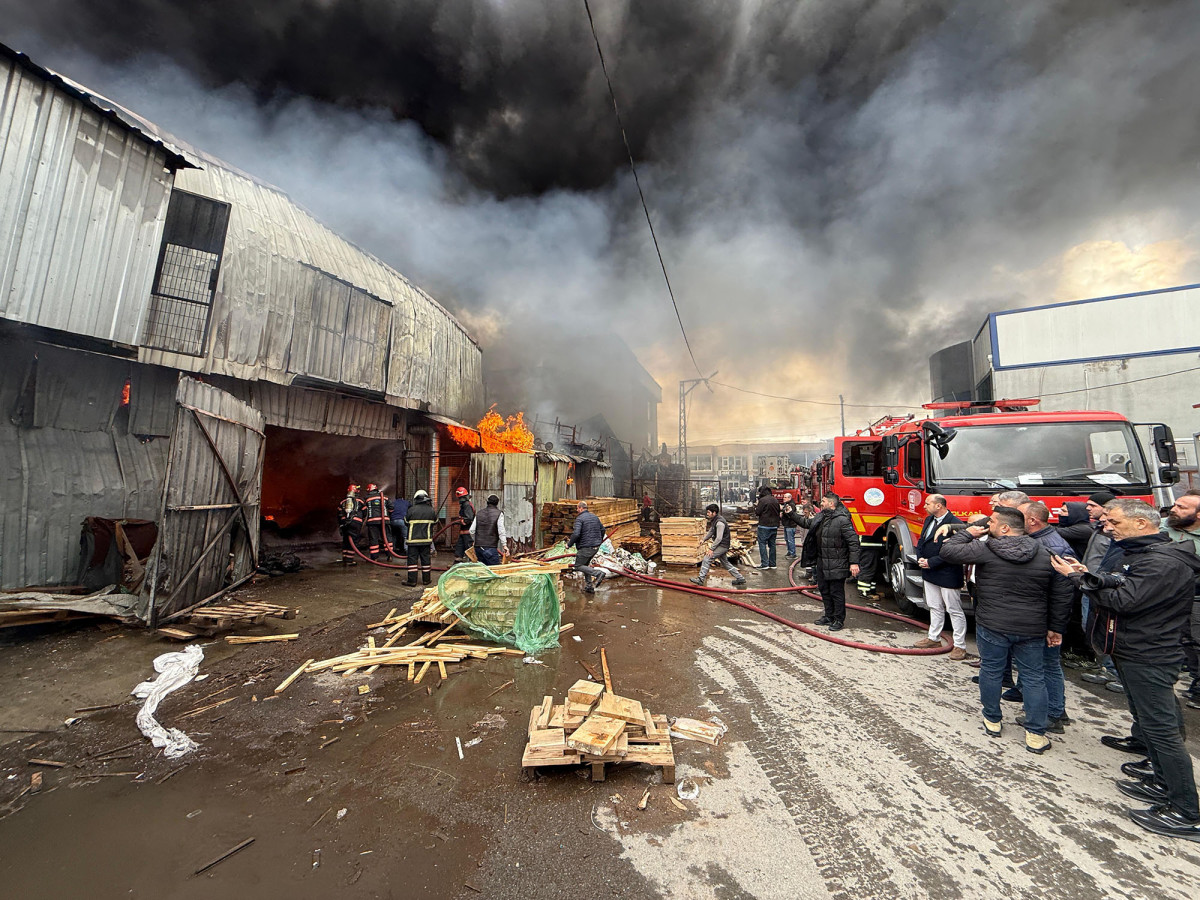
{"x": 841, "y": 187}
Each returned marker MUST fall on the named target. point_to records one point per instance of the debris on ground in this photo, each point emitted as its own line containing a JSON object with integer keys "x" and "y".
{"x": 694, "y": 730}
{"x": 595, "y": 726}
{"x": 174, "y": 671}
{"x": 210, "y": 620}
{"x": 283, "y": 562}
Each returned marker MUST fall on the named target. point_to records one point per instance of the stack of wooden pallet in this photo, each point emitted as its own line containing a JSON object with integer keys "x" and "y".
{"x": 594, "y": 727}
{"x": 430, "y": 608}
{"x": 744, "y": 529}
{"x": 209, "y": 620}
{"x": 558, "y": 517}
{"x": 681, "y": 540}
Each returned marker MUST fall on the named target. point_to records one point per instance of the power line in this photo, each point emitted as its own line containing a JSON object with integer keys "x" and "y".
{"x": 637, "y": 181}
{"x": 1097, "y": 387}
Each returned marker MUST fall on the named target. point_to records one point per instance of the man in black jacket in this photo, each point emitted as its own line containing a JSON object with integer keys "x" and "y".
{"x": 1021, "y": 606}
{"x": 767, "y": 511}
{"x": 586, "y": 537}
{"x": 466, "y": 518}
{"x": 942, "y": 581}
{"x": 1140, "y": 607}
{"x": 831, "y": 548}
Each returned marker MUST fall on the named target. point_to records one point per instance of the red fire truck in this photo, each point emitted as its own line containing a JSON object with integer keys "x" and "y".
{"x": 885, "y": 472}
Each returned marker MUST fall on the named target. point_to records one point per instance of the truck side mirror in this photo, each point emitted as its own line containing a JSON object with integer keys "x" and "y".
{"x": 1168, "y": 474}
{"x": 1164, "y": 447}
{"x": 891, "y": 459}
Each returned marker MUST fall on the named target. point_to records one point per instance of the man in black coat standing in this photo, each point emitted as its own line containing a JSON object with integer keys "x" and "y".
{"x": 767, "y": 511}
{"x": 831, "y": 548}
{"x": 942, "y": 580}
{"x": 1140, "y": 607}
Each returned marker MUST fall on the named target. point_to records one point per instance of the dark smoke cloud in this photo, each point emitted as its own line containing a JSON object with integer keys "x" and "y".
{"x": 841, "y": 187}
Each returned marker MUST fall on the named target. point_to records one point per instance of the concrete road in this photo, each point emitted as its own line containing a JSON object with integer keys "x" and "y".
{"x": 842, "y": 774}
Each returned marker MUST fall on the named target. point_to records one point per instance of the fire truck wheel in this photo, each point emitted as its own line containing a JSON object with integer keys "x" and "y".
{"x": 898, "y": 582}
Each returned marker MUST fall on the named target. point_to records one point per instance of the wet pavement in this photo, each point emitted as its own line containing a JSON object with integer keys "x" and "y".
{"x": 843, "y": 774}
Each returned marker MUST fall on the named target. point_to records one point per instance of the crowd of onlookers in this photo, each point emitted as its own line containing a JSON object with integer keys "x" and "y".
{"x": 1132, "y": 572}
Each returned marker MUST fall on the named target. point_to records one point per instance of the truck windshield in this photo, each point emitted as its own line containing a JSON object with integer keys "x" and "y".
{"x": 1054, "y": 454}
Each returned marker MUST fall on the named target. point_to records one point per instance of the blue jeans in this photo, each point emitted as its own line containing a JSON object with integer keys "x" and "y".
{"x": 766, "y": 545}
{"x": 1028, "y": 653}
{"x": 789, "y": 538}
{"x": 1056, "y": 688}
{"x": 489, "y": 556}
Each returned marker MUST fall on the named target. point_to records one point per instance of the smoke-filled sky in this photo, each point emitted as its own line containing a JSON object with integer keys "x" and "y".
{"x": 840, "y": 186}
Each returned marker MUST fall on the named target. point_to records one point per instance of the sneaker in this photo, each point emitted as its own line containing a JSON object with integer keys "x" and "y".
{"x": 1052, "y": 725}
{"x": 958, "y": 654}
{"x": 1124, "y": 744}
{"x": 589, "y": 589}
{"x": 992, "y": 729}
{"x": 1193, "y": 703}
{"x": 824, "y": 620}
{"x": 790, "y": 556}
{"x": 1139, "y": 769}
{"x": 738, "y": 582}
{"x": 1066, "y": 720}
{"x": 1095, "y": 677}
{"x": 1143, "y": 790}
{"x": 762, "y": 567}
{"x": 700, "y": 581}
{"x": 1013, "y": 695}
{"x": 1167, "y": 821}
{"x": 837, "y": 625}
{"x": 770, "y": 567}
{"x": 1115, "y": 686}
{"x": 1036, "y": 743}
{"x": 926, "y": 644}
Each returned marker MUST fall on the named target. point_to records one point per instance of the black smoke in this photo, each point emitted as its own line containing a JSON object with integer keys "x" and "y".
{"x": 841, "y": 187}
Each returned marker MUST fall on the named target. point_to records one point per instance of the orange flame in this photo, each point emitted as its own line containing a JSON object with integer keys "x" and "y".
{"x": 500, "y": 435}
{"x": 464, "y": 437}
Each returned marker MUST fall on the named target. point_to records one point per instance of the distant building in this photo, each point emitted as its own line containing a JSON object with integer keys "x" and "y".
{"x": 737, "y": 466}
{"x": 1136, "y": 354}
{"x": 182, "y": 343}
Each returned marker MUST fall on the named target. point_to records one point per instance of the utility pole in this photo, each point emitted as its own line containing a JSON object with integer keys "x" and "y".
{"x": 842, "y": 404}
{"x": 685, "y": 388}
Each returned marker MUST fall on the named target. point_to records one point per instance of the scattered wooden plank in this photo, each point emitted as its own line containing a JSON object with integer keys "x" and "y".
{"x": 585, "y": 692}
{"x": 604, "y": 665}
{"x": 53, "y": 764}
{"x": 287, "y": 682}
{"x": 623, "y": 708}
{"x": 695, "y": 730}
{"x": 596, "y": 736}
{"x": 224, "y": 856}
{"x": 263, "y": 639}
{"x": 547, "y": 710}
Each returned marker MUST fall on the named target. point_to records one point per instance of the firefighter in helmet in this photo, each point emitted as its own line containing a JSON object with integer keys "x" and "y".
{"x": 350, "y": 522}
{"x": 466, "y": 516}
{"x": 422, "y": 518}
{"x": 378, "y": 512}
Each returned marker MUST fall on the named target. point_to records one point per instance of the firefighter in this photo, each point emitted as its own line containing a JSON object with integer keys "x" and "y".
{"x": 350, "y": 522}
{"x": 466, "y": 517}
{"x": 378, "y": 511}
{"x": 421, "y": 521}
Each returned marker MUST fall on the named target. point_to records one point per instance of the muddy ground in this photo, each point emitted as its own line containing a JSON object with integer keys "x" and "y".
{"x": 843, "y": 774}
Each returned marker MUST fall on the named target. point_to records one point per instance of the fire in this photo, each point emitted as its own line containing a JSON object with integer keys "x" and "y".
{"x": 464, "y": 437}
{"x": 500, "y": 435}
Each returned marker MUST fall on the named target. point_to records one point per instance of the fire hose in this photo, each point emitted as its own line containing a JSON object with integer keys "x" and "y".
{"x": 384, "y": 565}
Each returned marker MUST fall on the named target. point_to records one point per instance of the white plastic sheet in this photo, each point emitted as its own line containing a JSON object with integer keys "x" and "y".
{"x": 174, "y": 671}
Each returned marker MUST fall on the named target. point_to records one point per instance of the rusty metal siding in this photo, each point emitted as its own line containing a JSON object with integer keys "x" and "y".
{"x": 82, "y": 206}
{"x": 487, "y": 473}
{"x": 281, "y": 309}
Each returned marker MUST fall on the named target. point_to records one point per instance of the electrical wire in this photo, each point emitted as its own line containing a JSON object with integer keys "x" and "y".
{"x": 637, "y": 181}
{"x": 734, "y": 387}
{"x": 1100, "y": 387}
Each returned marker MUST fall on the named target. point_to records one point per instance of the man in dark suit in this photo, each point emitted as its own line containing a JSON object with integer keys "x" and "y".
{"x": 943, "y": 580}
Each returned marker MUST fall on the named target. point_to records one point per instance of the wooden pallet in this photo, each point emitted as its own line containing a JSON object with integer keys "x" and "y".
{"x": 210, "y": 620}
{"x": 552, "y": 731}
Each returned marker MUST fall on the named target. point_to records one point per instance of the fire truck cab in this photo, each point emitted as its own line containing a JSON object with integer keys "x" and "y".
{"x": 884, "y": 473}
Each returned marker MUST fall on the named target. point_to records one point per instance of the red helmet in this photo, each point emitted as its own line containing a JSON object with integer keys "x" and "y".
{"x": 372, "y": 486}
{"x": 460, "y": 492}
{"x": 353, "y": 489}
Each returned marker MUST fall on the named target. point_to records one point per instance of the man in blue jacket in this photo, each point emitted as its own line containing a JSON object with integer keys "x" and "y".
{"x": 943, "y": 581}
{"x": 586, "y": 537}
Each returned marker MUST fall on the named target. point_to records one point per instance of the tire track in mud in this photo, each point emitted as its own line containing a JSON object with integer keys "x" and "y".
{"x": 835, "y": 848}
{"x": 976, "y": 806}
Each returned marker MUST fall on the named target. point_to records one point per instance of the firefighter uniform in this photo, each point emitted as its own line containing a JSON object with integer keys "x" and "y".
{"x": 422, "y": 519}
{"x": 350, "y": 521}
{"x": 377, "y": 513}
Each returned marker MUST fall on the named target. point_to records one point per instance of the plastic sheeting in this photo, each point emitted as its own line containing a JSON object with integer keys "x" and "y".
{"x": 174, "y": 671}
{"x": 520, "y": 609}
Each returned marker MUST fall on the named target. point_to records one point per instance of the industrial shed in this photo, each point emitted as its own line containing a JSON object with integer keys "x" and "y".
{"x": 152, "y": 295}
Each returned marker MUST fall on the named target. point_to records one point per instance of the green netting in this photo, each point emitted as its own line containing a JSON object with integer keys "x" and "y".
{"x": 520, "y": 609}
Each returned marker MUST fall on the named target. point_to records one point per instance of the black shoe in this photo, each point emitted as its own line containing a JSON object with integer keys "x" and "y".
{"x": 412, "y": 582}
{"x": 700, "y": 581}
{"x": 837, "y": 625}
{"x": 1142, "y": 790}
{"x": 1167, "y": 821}
{"x": 600, "y": 579}
{"x": 1124, "y": 744}
{"x": 824, "y": 620}
{"x": 790, "y": 556}
{"x": 975, "y": 679}
{"x": 588, "y": 589}
{"x": 1013, "y": 695}
{"x": 1066, "y": 720}
{"x": 738, "y": 582}
{"x": 1143, "y": 768}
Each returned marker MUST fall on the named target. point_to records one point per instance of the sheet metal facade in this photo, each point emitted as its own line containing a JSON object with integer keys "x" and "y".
{"x": 296, "y": 300}
{"x": 83, "y": 200}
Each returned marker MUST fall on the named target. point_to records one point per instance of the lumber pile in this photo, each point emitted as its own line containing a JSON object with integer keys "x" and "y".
{"x": 430, "y": 608}
{"x": 593, "y": 726}
{"x": 744, "y": 529}
{"x": 210, "y": 620}
{"x": 558, "y": 516}
{"x": 681, "y": 540}
{"x": 648, "y": 546}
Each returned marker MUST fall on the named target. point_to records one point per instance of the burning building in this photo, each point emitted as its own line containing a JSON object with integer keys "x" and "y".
{"x": 183, "y": 345}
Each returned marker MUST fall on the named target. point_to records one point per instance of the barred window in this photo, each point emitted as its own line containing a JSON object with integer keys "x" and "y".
{"x": 188, "y": 264}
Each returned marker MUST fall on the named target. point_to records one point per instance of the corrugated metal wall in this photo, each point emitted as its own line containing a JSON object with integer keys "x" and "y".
{"x": 82, "y": 207}
{"x": 79, "y": 461}
{"x": 278, "y": 313}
